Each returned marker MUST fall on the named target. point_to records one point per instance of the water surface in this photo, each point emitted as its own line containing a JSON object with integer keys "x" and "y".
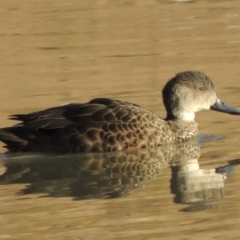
{"x": 56, "y": 52}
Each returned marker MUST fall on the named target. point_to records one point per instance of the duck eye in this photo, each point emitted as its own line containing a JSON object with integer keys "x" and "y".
{"x": 202, "y": 88}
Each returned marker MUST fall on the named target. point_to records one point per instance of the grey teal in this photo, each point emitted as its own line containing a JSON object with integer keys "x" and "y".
{"x": 106, "y": 125}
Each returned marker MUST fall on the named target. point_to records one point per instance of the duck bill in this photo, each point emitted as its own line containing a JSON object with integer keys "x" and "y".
{"x": 222, "y": 107}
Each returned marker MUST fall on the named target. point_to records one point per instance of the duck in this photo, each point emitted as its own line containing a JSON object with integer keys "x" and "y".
{"x": 108, "y": 125}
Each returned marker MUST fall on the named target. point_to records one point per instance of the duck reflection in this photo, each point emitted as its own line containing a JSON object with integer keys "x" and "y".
{"x": 200, "y": 188}
{"x": 110, "y": 175}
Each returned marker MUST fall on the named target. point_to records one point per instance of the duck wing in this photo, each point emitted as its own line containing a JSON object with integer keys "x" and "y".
{"x": 99, "y": 125}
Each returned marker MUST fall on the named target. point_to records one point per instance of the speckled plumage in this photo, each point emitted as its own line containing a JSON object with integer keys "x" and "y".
{"x": 104, "y": 125}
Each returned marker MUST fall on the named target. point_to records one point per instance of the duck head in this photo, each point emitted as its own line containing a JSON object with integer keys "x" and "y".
{"x": 190, "y": 92}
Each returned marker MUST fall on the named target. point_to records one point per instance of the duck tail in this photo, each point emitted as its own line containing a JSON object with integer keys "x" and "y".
{"x": 18, "y": 139}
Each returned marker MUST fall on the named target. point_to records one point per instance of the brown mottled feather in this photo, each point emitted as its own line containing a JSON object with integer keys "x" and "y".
{"x": 99, "y": 125}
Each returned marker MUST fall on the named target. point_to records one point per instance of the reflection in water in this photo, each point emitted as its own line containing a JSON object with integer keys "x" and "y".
{"x": 198, "y": 187}
{"x": 108, "y": 175}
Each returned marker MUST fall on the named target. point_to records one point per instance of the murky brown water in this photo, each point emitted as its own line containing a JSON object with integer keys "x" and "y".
{"x": 54, "y": 52}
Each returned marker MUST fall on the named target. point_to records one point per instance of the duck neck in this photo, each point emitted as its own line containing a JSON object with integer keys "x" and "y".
{"x": 183, "y": 116}
{"x": 187, "y": 116}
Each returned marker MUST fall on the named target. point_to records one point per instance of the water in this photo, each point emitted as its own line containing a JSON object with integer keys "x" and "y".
{"x": 163, "y": 192}
{"x": 57, "y": 52}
